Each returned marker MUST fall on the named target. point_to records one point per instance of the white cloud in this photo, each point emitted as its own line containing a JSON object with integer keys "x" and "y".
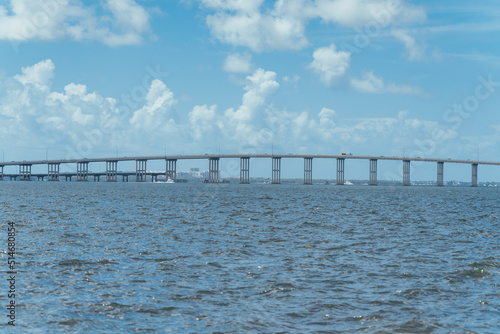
{"x": 244, "y": 123}
{"x": 40, "y": 75}
{"x": 326, "y": 124}
{"x": 258, "y": 31}
{"x": 413, "y": 49}
{"x": 238, "y": 63}
{"x": 159, "y": 100}
{"x": 124, "y": 22}
{"x": 202, "y": 120}
{"x": 242, "y": 23}
{"x": 370, "y": 83}
{"x": 330, "y": 64}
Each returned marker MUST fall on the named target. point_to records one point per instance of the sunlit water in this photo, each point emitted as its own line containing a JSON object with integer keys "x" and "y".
{"x": 201, "y": 258}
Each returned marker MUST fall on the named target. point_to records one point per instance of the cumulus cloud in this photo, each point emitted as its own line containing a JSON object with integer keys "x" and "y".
{"x": 238, "y": 63}
{"x": 123, "y": 22}
{"x": 201, "y": 119}
{"x": 40, "y": 75}
{"x": 330, "y": 64}
{"x": 370, "y": 83}
{"x": 325, "y": 126}
{"x": 159, "y": 100}
{"x": 242, "y": 23}
{"x": 243, "y": 123}
{"x": 257, "y": 31}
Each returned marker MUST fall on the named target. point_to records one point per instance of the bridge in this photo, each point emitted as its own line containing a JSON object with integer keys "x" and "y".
{"x": 111, "y": 174}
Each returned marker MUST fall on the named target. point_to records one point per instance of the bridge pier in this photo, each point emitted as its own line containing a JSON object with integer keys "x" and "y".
{"x": 308, "y": 171}
{"x": 140, "y": 171}
{"x": 97, "y": 178}
{"x": 40, "y": 177}
{"x": 1, "y": 173}
{"x": 474, "y": 175}
{"x": 440, "y": 173}
{"x": 406, "y": 172}
{"x": 82, "y": 171}
{"x": 53, "y": 172}
{"x": 125, "y": 178}
{"x": 111, "y": 171}
{"x": 244, "y": 170}
{"x": 68, "y": 177}
{"x": 13, "y": 177}
{"x": 213, "y": 170}
{"x": 373, "y": 172}
{"x": 276, "y": 175}
{"x": 171, "y": 170}
{"x": 340, "y": 171}
{"x": 24, "y": 172}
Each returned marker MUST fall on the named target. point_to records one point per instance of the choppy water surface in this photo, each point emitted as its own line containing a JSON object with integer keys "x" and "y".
{"x": 190, "y": 258}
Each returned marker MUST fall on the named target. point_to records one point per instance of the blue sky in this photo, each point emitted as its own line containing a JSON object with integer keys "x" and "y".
{"x": 377, "y": 77}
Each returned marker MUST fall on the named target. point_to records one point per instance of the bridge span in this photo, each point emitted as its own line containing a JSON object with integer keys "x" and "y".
{"x": 111, "y": 174}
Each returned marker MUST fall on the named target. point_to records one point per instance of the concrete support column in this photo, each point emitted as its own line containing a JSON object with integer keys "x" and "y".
{"x": 340, "y": 171}
{"x": 68, "y": 177}
{"x": 245, "y": 170}
{"x": 213, "y": 170}
{"x": 308, "y": 170}
{"x": 53, "y": 172}
{"x": 406, "y": 172}
{"x": 154, "y": 178}
{"x": 24, "y": 172}
{"x": 124, "y": 178}
{"x": 1, "y": 173}
{"x": 82, "y": 171}
{"x": 171, "y": 170}
{"x": 440, "y": 172}
{"x": 111, "y": 171}
{"x": 373, "y": 172}
{"x": 474, "y": 175}
{"x": 97, "y": 178}
{"x": 276, "y": 176}
{"x": 140, "y": 171}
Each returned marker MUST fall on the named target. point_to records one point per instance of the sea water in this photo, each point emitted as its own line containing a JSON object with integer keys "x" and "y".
{"x": 229, "y": 258}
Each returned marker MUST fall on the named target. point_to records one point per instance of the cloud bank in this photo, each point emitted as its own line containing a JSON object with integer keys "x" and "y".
{"x": 90, "y": 124}
{"x": 283, "y": 26}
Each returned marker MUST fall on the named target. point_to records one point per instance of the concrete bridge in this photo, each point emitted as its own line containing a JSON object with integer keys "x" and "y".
{"x": 111, "y": 174}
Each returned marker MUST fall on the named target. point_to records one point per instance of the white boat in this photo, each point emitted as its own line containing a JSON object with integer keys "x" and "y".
{"x": 169, "y": 180}
{"x": 348, "y": 183}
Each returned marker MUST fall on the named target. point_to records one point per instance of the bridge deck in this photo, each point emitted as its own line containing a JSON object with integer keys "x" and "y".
{"x": 226, "y": 156}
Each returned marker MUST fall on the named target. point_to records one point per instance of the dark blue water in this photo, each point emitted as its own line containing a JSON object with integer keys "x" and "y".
{"x": 188, "y": 258}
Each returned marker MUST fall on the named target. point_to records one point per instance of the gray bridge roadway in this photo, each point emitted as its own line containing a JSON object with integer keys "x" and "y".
{"x": 82, "y": 173}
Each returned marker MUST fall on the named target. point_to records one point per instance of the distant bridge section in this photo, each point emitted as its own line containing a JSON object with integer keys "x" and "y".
{"x": 82, "y": 170}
